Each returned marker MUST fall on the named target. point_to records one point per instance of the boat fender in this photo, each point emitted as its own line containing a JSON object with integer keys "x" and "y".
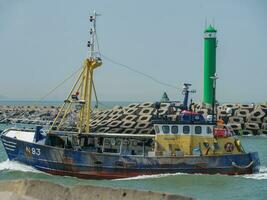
{"x": 229, "y": 147}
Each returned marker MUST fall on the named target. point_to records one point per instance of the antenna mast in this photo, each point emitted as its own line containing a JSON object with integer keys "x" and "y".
{"x": 81, "y": 93}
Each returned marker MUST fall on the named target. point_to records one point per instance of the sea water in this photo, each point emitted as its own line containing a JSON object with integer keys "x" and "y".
{"x": 203, "y": 187}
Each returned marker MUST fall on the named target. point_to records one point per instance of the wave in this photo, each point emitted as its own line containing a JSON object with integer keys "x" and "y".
{"x": 150, "y": 176}
{"x": 15, "y": 166}
{"x": 262, "y": 175}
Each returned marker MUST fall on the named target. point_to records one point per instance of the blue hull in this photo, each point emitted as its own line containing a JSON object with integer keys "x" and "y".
{"x": 84, "y": 164}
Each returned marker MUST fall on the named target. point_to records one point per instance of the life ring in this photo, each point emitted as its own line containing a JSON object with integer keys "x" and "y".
{"x": 229, "y": 147}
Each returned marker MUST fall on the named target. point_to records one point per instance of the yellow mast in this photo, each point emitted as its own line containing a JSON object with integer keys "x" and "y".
{"x": 81, "y": 93}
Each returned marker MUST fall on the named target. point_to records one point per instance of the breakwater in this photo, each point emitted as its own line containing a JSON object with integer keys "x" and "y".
{"x": 42, "y": 190}
{"x": 135, "y": 118}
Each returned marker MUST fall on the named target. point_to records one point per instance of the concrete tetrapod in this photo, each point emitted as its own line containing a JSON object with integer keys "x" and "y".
{"x": 115, "y": 130}
{"x": 251, "y": 119}
{"x": 128, "y": 124}
{"x": 146, "y": 131}
{"x": 242, "y": 113}
{"x": 257, "y": 113}
{"x": 129, "y": 131}
{"x": 102, "y": 130}
{"x": 129, "y": 118}
{"x": 142, "y": 125}
{"x": 246, "y": 132}
{"x": 114, "y": 124}
{"x": 235, "y": 127}
{"x": 146, "y": 105}
{"x": 264, "y": 126}
{"x": 252, "y": 126}
{"x": 248, "y": 107}
{"x": 144, "y": 118}
{"x": 262, "y": 132}
{"x": 234, "y": 119}
{"x": 146, "y": 111}
{"x": 133, "y": 105}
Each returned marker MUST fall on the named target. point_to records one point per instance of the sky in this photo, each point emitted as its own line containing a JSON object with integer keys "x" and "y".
{"x": 43, "y": 42}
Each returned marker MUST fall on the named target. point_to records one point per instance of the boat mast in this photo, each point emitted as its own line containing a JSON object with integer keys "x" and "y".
{"x": 82, "y": 91}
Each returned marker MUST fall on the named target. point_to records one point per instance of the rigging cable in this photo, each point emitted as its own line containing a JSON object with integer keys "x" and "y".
{"x": 140, "y": 73}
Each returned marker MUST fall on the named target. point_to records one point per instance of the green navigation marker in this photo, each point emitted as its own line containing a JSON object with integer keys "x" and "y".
{"x": 209, "y": 63}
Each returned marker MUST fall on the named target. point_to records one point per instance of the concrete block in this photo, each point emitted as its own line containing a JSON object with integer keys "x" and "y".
{"x": 246, "y": 132}
{"x": 262, "y": 132}
{"x": 254, "y": 120}
{"x": 106, "y": 112}
{"x": 133, "y": 105}
{"x": 145, "y": 131}
{"x": 242, "y": 113}
{"x": 131, "y": 111}
{"x": 262, "y": 107}
{"x": 264, "y": 126}
{"x": 114, "y": 124}
{"x": 234, "y": 126}
{"x": 142, "y": 125}
{"x": 257, "y": 113}
{"x": 238, "y": 120}
{"x": 103, "y": 122}
{"x": 102, "y": 117}
{"x": 144, "y": 118}
{"x": 164, "y": 105}
{"x": 115, "y": 130}
{"x": 129, "y": 131}
{"x": 146, "y": 105}
{"x": 117, "y": 117}
{"x": 147, "y": 111}
{"x": 130, "y": 118}
{"x": 161, "y": 111}
{"x": 102, "y": 130}
{"x": 248, "y": 107}
{"x": 252, "y": 126}
{"x": 128, "y": 124}
{"x": 115, "y": 112}
{"x": 230, "y": 105}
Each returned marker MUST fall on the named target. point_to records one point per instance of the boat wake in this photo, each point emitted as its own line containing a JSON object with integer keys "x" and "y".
{"x": 262, "y": 175}
{"x": 149, "y": 176}
{"x": 15, "y": 166}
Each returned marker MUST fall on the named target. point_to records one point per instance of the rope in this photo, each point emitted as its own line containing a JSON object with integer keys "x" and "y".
{"x": 60, "y": 84}
{"x": 243, "y": 167}
{"x": 141, "y": 73}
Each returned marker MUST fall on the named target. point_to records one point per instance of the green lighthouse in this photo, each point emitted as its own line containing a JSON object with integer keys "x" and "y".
{"x": 209, "y": 63}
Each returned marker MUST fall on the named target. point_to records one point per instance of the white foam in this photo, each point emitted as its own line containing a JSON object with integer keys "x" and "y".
{"x": 15, "y": 166}
{"x": 150, "y": 176}
{"x": 262, "y": 175}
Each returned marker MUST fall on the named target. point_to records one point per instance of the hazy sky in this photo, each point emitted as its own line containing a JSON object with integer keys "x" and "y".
{"x": 43, "y": 42}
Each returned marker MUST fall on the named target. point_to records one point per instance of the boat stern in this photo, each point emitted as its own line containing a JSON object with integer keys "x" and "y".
{"x": 255, "y": 160}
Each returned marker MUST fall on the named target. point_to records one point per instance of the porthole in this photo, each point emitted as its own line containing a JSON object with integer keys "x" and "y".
{"x": 186, "y": 129}
{"x": 198, "y": 130}
{"x": 174, "y": 129}
{"x": 166, "y": 129}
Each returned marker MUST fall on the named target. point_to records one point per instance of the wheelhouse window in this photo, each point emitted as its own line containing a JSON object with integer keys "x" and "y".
{"x": 186, "y": 129}
{"x": 157, "y": 129}
{"x": 166, "y": 129}
{"x": 174, "y": 129}
{"x": 209, "y": 131}
{"x": 198, "y": 130}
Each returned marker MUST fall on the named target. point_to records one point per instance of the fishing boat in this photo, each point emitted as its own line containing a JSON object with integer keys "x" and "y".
{"x": 190, "y": 143}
